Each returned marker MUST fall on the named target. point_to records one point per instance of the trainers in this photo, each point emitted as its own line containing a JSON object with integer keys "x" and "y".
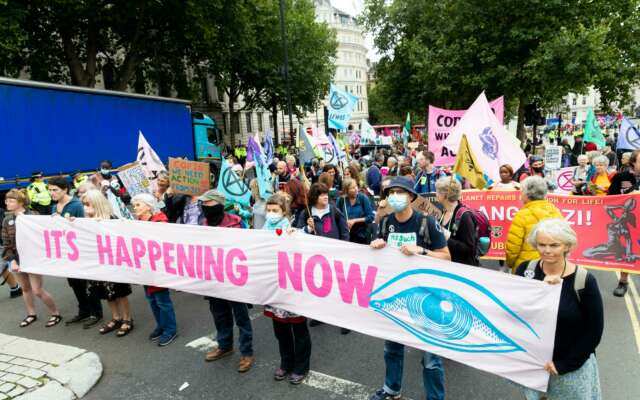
{"x": 217, "y": 354}
{"x": 382, "y": 395}
{"x": 245, "y": 364}
{"x": 621, "y": 290}
{"x": 91, "y": 321}
{"x": 15, "y": 292}
{"x": 155, "y": 335}
{"x": 78, "y": 318}
{"x": 166, "y": 340}
{"x": 296, "y": 379}
{"x": 280, "y": 374}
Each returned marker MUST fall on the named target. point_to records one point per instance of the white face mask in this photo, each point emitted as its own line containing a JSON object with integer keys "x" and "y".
{"x": 398, "y": 201}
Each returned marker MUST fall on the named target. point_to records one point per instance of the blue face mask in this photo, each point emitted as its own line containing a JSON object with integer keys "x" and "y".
{"x": 105, "y": 172}
{"x": 273, "y": 218}
{"x": 398, "y": 202}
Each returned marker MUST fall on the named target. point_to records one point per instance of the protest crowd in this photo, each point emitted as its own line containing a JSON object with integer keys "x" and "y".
{"x": 347, "y": 195}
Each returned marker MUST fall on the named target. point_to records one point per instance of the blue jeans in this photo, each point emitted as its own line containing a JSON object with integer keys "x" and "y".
{"x": 162, "y": 309}
{"x": 432, "y": 371}
{"x": 224, "y": 312}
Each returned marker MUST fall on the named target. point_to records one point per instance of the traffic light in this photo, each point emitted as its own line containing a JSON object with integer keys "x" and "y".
{"x": 529, "y": 113}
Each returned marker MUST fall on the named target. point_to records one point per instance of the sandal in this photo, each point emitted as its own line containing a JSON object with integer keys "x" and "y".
{"x": 125, "y": 328}
{"x": 30, "y": 319}
{"x": 53, "y": 321}
{"x": 110, "y": 326}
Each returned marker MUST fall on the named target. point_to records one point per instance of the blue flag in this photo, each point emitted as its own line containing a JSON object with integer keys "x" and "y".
{"x": 340, "y": 107}
{"x": 268, "y": 146}
{"x": 306, "y": 154}
{"x": 233, "y": 188}
{"x": 253, "y": 151}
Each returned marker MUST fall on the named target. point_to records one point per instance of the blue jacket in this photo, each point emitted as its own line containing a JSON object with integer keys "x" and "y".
{"x": 73, "y": 208}
{"x": 374, "y": 178}
{"x": 426, "y": 183}
{"x": 361, "y": 209}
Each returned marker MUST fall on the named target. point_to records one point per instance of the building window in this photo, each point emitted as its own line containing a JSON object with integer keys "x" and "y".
{"x": 574, "y": 101}
{"x": 249, "y": 127}
{"x": 270, "y": 121}
{"x": 260, "y": 118}
{"x": 573, "y": 115}
{"x": 584, "y": 100}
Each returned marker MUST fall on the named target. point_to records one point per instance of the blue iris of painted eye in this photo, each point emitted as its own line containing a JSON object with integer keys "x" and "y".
{"x": 443, "y": 318}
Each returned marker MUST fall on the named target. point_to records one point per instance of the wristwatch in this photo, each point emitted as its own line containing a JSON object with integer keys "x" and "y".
{"x": 424, "y": 251}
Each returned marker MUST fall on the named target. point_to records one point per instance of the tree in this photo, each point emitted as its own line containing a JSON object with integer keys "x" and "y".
{"x": 312, "y": 50}
{"x": 446, "y": 52}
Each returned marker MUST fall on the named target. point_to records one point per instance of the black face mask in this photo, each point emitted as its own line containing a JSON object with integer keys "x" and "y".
{"x": 213, "y": 214}
{"x": 537, "y": 169}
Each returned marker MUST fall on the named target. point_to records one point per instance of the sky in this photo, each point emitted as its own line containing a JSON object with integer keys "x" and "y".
{"x": 355, "y": 7}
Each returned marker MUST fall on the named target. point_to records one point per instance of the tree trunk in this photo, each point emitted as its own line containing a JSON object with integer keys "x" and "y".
{"x": 274, "y": 116}
{"x": 521, "y": 133}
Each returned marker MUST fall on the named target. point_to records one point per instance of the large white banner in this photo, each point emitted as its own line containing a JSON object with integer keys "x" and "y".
{"x": 491, "y": 321}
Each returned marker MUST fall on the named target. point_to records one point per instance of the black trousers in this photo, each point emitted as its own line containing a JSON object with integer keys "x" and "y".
{"x": 294, "y": 342}
{"x": 88, "y": 304}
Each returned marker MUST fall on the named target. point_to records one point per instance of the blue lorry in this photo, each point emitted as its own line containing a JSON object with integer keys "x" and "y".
{"x": 60, "y": 129}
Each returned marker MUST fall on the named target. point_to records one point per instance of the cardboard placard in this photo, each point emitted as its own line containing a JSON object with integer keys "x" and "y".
{"x": 426, "y": 204}
{"x": 189, "y": 177}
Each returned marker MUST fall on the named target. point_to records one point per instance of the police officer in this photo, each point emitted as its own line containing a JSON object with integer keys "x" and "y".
{"x": 38, "y": 193}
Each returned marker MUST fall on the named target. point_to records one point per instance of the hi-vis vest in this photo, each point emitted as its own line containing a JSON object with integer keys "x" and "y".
{"x": 39, "y": 194}
{"x": 83, "y": 179}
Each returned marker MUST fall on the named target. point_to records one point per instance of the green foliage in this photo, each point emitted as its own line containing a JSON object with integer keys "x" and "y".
{"x": 446, "y": 52}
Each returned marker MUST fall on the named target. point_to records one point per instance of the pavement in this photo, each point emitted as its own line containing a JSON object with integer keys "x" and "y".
{"x": 344, "y": 367}
{"x": 38, "y": 370}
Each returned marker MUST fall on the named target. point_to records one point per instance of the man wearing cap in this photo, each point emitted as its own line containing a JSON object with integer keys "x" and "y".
{"x": 412, "y": 233}
{"x": 225, "y": 311}
{"x": 38, "y": 193}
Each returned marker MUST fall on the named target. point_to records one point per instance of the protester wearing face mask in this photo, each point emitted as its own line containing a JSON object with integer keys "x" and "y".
{"x": 536, "y": 169}
{"x": 412, "y": 233}
{"x": 291, "y": 331}
{"x": 224, "y": 312}
{"x": 105, "y": 180}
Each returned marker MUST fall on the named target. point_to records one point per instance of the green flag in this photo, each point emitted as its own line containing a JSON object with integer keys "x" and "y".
{"x": 406, "y": 130}
{"x": 592, "y": 132}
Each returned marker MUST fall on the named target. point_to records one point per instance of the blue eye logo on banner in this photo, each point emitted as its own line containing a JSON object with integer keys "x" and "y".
{"x": 341, "y": 104}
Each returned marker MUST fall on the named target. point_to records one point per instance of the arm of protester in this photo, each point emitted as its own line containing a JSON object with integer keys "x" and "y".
{"x": 378, "y": 244}
{"x": 368, "y": 209}
{"x": 438, "y": 242}
{"x": 588, "y": 340}
{"x": 465, "y": 239}
{"x": 343, "y": 228}
{"x": 441, "y": 253}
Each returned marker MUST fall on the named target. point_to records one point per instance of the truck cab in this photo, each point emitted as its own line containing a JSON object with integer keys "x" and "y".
{"x": 208, "y": 140}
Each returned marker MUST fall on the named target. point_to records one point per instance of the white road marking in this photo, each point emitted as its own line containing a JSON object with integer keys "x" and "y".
{"x": 632, "y": 311}
{"x": 339, "y": 386}
{"x": 206, "y": 343}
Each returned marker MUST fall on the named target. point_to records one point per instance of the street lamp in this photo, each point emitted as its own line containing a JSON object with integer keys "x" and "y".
{"x": 286, "y": 63}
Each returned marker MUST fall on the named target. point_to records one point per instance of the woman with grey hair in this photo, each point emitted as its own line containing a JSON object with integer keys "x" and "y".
{"x": 458, "y": 223}
{"x": 580, "y": 320}
{"x": 535, "y": 209}
{"x": 600, "y": 180}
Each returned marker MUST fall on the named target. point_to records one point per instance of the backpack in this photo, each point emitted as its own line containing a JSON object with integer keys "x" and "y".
{"x": 578, "y": 284}
{"x": 423, "y": 232}
{"x": 483, "y": 228}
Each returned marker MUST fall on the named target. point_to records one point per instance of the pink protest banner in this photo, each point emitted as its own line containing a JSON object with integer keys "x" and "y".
{"x": 415, "y": 300}
{"x": 608, "y": 237}
{"x": 442, "y": 122}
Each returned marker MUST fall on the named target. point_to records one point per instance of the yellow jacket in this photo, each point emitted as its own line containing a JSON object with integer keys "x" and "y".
{"x": 518, "y": 250}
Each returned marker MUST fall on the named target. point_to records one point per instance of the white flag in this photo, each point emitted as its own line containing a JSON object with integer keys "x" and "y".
{"x": 367, "y": 131}
{"x": 148, "y": 159}
{"x": 629, "y": 136}
{"x": 490, "y": 142}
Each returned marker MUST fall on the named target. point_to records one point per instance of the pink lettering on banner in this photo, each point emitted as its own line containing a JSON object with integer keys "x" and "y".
{"x": 286, "y": 271}
{"x": 186, "y": 261}
{"x": 242, "y": 271}
{"x": 354, "y": 283}
{"x": 440, "y": 124}
{"x": 167, "y": 249}
{"x": 56, "y": 235}
{"x": 211, "y": 265}
{"x": 47, "y": 244}
{"x": 138, "y": 250}
{"x": 155, "y": 253}
{"x": 75, "y": 252}
{"x": 122, "y": 253}
{"x": 326, "y": 282}
{"x": 104, "y": 249}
